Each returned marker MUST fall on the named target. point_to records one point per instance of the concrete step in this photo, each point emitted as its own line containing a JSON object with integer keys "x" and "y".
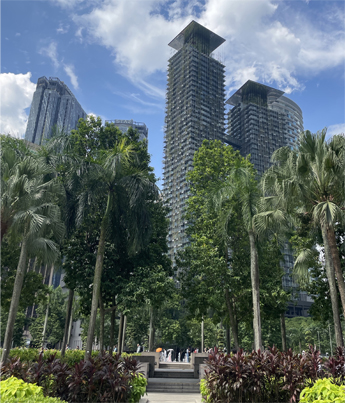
{"x": 174, "y": 365}
{"x": 174, "y": 373}
{"x": 173, "y": 385}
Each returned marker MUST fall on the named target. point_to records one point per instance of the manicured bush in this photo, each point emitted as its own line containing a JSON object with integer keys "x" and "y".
{"x": 40, "y": 399}
{"x": 323, "y": 391}
{"x": 18, "y": 389}
{"x": 138, "y": 388}
{"x": 102, "y": 378}
{"x": 205, "y": 392}
{"x": 267, "y": 376}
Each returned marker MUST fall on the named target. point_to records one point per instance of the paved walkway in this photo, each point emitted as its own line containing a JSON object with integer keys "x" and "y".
{"x": 171, "y": 398}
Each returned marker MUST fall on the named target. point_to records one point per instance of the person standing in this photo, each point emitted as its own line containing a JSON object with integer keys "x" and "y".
{"x": 138, "y": 348}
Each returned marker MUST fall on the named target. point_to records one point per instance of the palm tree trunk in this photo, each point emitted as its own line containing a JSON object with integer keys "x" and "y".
{"x": 337, "y": 265}
{"x": 68, "y": 317}
{"x": 101, "y": 330}
{"x": 332, "y": 286}
{"x": 45, "y": 323}
{"x": 124, "y": 333}
{"x": 202, "y": 335}
{"x": 151, "y": 329}
{"x": 283, "y": 331}
{"x": 119, "y": 339}
{"x": 228, "y": 340}
{"x": 254, "y": 271}
{"x": 112, "y": 329}
{"x": 17, "y": 288}
{"x": 97, "y": 283}
{"x": 232, "y": 319}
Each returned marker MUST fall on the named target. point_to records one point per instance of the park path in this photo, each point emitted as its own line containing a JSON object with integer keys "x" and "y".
{"x": 154, "y": 397}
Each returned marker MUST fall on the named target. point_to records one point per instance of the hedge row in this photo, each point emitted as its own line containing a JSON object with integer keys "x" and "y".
{"x": 103, "y": 378}
{"x": 71, "y": 357}
{"x": 268, "y": 376}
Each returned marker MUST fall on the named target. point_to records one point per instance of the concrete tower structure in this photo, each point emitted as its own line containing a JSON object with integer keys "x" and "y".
{"x": 53, "y": 104}
{"x": 124, "y": 125}
{"x": 194, "y": 112}
{"x": 261, "y": 121}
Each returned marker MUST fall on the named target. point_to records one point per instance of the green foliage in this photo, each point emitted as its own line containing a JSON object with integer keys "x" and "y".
{"x": 56, "y": 319}
{"x": 36, "y": 399}
{"x": 205, "y": 392}
{"x": 17, "y": 388}
{"x": 302, "y": 332}
{"x": 323, "y": 391}
{"x": 71, "y": 357}
{"x": 138, "y": 388}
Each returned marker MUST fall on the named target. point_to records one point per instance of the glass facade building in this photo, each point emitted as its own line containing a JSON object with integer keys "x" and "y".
{"x": 262, "y": 120}
{"x": 53, "y": 105}
{"x": 195, "y": 108}
{"x": 124, "y": 125}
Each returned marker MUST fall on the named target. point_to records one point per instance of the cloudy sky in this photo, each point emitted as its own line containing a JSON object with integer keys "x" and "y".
{"x": 113, "y": 55}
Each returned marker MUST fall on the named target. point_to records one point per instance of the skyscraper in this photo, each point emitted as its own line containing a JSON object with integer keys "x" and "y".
{"x": 53, "y": 104}
{"x": 124, "y": 125}
{"x": 194, "y": 112}
{"x": 261, "y": 121}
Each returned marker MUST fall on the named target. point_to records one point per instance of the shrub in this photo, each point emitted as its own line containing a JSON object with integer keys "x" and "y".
{"x": 267, "y": 376}
{"x": 18, "y": 389}
{"x": 100, "y": 379}
{"x": 323, "y": 391}
{"x": 138, "y": 388}
{"x": 36, "y": 399}
{"x": 204, "y": 390}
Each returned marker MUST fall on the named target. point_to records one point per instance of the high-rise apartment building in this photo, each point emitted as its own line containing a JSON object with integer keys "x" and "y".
{"x": 194, "y": 112}
{"x": 261, "y": 121}
{"x": 124, "y": 125}
{"x": 53, "y": 104}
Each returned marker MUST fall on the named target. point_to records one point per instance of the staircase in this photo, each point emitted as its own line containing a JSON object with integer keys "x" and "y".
{"x": 173, "y": 378}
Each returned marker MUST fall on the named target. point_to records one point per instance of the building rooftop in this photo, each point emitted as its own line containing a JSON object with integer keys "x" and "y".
{"x": 196, "y": 33}
{"x": 252, "y": 86}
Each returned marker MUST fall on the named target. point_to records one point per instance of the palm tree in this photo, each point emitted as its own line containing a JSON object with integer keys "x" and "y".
{"x": 32, "y": 205}
{"x": 241, "y": 187}
{"x": 310, "y": 179}
{"x": 118, "y": 177}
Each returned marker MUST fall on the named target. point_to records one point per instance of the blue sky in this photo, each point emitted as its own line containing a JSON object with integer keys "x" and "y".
{"x": 113, "y": 55}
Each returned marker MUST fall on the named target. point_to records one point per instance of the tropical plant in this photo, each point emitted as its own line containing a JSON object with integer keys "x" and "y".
{"x": 31, "y": 195}
{"x": 323, "y": 391}
{"x": 17, "y": 388}
{"x": 309, "y": 179}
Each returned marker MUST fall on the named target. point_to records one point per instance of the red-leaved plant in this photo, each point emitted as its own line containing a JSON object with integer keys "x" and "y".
{"x": 268, "y": 376}
{"x": 104, "y": 378}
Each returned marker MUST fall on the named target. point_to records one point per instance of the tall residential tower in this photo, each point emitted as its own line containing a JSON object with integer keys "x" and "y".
{"x": 53, "y": 104}
{"x": 194, "y": 112}
{"x": 261, "y": 121}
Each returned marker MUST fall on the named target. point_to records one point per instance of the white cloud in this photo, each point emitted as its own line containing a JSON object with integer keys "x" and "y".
{"x": 51, "y": 52}
{"x": 335, "y": 129}
{"x": 69, "y": 69}
{"x": 68, "y": 3}
{"x": 63, "y": 28}
{"x": 16, "y": 95}
{"x": 259, "y": 44}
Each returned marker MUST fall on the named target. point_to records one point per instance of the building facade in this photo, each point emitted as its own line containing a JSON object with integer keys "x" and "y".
{"x": 53, "y": 105}
{"x": 194, "y": 112}
{"x": 124, "y": 125}
{"x": 261, "y": 121}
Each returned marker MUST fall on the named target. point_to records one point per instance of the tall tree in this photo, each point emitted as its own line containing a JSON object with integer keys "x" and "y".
{"x": 33, "y": 197}
{"x": 310, "y": 179}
